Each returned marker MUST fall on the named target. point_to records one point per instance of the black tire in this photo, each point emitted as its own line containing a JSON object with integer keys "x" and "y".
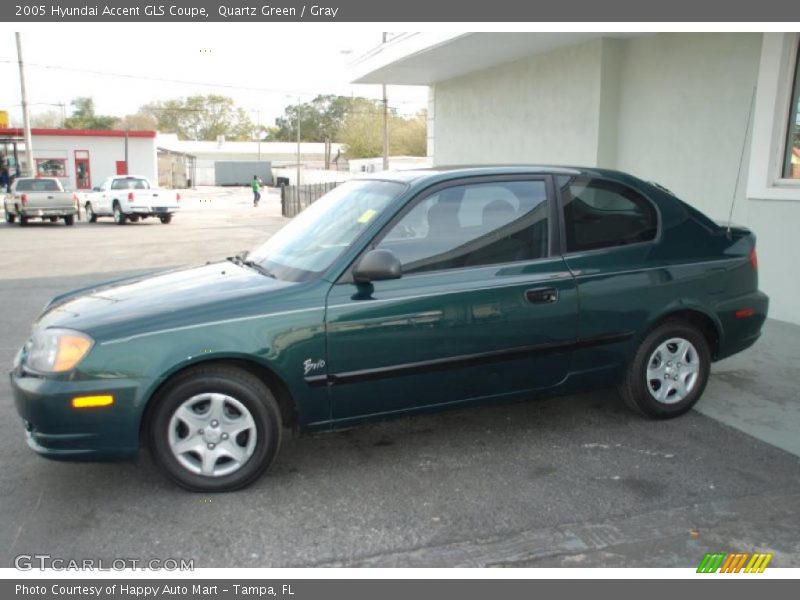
{"x": 133, "y": 218}
{"x": 166, "y": 219}
{"x": 69, "y": 220}
{"x": 91, "y": 217}
{"x": 246, "y": 389}
{"x": 638, "y": 392}
{"x": 119, "y": 216}
{"x": 22, "y": 219}
{"x": 53, "y": 219}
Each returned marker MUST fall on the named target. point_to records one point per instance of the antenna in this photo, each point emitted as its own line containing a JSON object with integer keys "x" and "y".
{"x": 741, "y": 158}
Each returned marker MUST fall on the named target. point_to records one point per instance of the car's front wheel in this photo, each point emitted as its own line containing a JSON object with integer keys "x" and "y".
{"x": 91, "y": 217}
{"x": 669, "y": 371}
{"x": 215, "y": 429}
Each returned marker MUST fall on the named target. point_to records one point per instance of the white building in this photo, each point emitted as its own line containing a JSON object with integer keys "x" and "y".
{"x": 671, "y": 108}
{"x": 82, "y": 158}
{"x": 312, "y": 154}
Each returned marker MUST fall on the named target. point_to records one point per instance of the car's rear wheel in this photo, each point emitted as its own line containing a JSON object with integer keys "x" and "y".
{"x": 91, "y": 217}
{"x": 69, "y": 220}
{"x": 669, "y": 371}
{"x": 119, "y": 216}
{"x": 23, "y": 220}
{"x": 215, "y": 429}
{"x": 166, "y": 219}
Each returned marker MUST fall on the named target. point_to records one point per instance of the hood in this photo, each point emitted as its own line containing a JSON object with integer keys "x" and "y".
{"x": 168, "y": 299}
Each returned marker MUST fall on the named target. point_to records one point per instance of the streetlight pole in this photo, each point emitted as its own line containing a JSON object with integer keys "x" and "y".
{"x": 298, "y": 140}
{"x": 26, "y": 117}
{"x": 385, "y": 123}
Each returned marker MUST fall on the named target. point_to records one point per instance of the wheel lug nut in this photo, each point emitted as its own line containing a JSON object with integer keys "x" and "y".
{"x": 224, "y": 436}
{"x": 214, "y": 423}
{"x": 669, "y": 363}
{"x": 201, "y": 432}
{"x": 666, "y": 376}
{"x": 211, "y": 446}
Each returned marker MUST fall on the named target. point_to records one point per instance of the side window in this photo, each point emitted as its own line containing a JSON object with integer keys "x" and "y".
{"x": 472, "y": 225}
{"x": 602, "y": 214}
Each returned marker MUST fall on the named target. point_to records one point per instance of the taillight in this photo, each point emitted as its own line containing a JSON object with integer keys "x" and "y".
{"x": 24, "y": 198}
{"x": 130, "y": 196}
{"x": 178, "y": 197}
{"x": 754, "y": 258}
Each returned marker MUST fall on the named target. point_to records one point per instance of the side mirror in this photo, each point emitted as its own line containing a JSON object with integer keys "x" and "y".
{"x": 377, "y": 265}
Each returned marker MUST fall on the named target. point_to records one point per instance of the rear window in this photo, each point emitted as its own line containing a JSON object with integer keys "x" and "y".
{"x": 601, "y": 214}
{"x": 130, "y": 183}
{"x": 38, "y": 185}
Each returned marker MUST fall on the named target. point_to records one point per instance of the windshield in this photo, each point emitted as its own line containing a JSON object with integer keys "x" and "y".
{"x": 310, "y": 243}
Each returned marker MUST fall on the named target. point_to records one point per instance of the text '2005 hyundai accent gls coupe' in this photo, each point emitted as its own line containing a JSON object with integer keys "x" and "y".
{"x": 393, "y": 294}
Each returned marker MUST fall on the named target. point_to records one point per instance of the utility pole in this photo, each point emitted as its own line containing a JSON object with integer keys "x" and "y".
{"x": 298, "y": 141}
{"x": 385, "y": 123}
{"x": 26, "y": 117}
{"x": 258, "y": 133}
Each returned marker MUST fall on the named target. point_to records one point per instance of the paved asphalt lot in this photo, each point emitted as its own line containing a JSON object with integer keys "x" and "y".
{"x": 574, "y": 481}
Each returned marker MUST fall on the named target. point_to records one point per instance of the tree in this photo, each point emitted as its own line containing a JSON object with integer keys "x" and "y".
{"x": 49, "y": 119}
{"x": 320, "y": 119}
{"x": 84, "y": 116}
{"x": 137, "y": 122}
{"x": 201, "y": 118}
{"x": 362, "y": 134}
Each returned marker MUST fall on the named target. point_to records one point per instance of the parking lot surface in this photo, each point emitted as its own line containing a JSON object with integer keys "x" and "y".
{"x": 570, "y": 481}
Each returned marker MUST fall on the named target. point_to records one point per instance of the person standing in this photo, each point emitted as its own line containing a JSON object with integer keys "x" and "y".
{"x": 256, "y": 190}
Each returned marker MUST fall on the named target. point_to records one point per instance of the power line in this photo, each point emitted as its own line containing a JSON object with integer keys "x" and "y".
{"x": 178, "y": 81}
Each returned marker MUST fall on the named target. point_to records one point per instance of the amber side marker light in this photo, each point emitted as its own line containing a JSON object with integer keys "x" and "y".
{"x": 92, "y": 401}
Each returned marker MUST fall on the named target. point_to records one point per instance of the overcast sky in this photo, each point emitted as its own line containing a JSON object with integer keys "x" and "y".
{"x": 262, "y": 67}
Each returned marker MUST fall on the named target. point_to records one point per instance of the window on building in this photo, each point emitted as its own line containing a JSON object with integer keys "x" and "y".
{"x": 791, "y": 169}
{"x": 601, "y": 214}
{"x": 472, "y": 225}
{"x": 51, "y": 167}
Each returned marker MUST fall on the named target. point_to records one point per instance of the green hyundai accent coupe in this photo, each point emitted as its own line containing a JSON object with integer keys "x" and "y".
{"x": 395, "y": 294}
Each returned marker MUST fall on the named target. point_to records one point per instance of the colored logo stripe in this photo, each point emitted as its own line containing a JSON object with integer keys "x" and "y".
{"x": 734, "y": 563}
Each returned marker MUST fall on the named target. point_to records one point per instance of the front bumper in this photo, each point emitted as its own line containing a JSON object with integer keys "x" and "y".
{"x": 55, "y": 429}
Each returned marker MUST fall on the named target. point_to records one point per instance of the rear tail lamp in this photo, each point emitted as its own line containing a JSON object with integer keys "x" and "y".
{"x": 24, "y": 198}
{"x": 130, "y": 196}
{"x": 178, "y": 197}
{"x": 754, "y": 258}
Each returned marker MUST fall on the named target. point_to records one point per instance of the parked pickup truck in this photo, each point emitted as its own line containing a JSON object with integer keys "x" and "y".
{"x": 39, "y": 198}
{"x": 130, "y": 198}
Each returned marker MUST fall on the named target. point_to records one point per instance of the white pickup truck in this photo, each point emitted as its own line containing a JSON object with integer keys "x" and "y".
{"x": 39, "y": 198}
{"x": 130, "y": 198}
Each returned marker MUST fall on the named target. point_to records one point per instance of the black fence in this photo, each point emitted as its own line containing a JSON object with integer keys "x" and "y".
{"x": 295, "y": 198}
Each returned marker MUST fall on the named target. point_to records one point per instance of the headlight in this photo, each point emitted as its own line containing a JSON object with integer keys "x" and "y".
{"x": 56, "y": 350}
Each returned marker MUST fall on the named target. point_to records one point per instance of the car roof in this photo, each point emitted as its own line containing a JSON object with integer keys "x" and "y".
{"x": 457, "y": 171}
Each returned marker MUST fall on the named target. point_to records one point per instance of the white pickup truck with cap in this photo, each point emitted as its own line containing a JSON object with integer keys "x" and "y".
{"x": 130, "y": 198}
{"x": 39, "y": 198}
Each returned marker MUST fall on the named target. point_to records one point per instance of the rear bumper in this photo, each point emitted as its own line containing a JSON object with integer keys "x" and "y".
{"x": 151, "y": 211}
{"x": 47, "y": 212}
{"x": 742, "y": 319}
{"x": 54, "y": 429}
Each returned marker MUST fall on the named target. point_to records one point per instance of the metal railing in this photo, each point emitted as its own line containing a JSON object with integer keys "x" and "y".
{"x": 296, "y": 198}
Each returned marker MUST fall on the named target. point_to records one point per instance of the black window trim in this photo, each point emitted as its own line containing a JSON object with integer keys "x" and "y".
{"x": 553, "y": 231}
{"x": 563, "y": 229}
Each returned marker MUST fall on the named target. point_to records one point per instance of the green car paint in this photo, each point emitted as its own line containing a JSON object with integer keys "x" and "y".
{"x": 337, "y": 352}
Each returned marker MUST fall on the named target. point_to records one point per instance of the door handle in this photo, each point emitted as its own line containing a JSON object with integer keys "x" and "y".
{"x": 545, "y": 295}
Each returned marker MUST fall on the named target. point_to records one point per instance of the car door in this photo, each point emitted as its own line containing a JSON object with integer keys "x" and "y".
{"x": 103, "y": 198}
{"x": 484, "y": 308}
